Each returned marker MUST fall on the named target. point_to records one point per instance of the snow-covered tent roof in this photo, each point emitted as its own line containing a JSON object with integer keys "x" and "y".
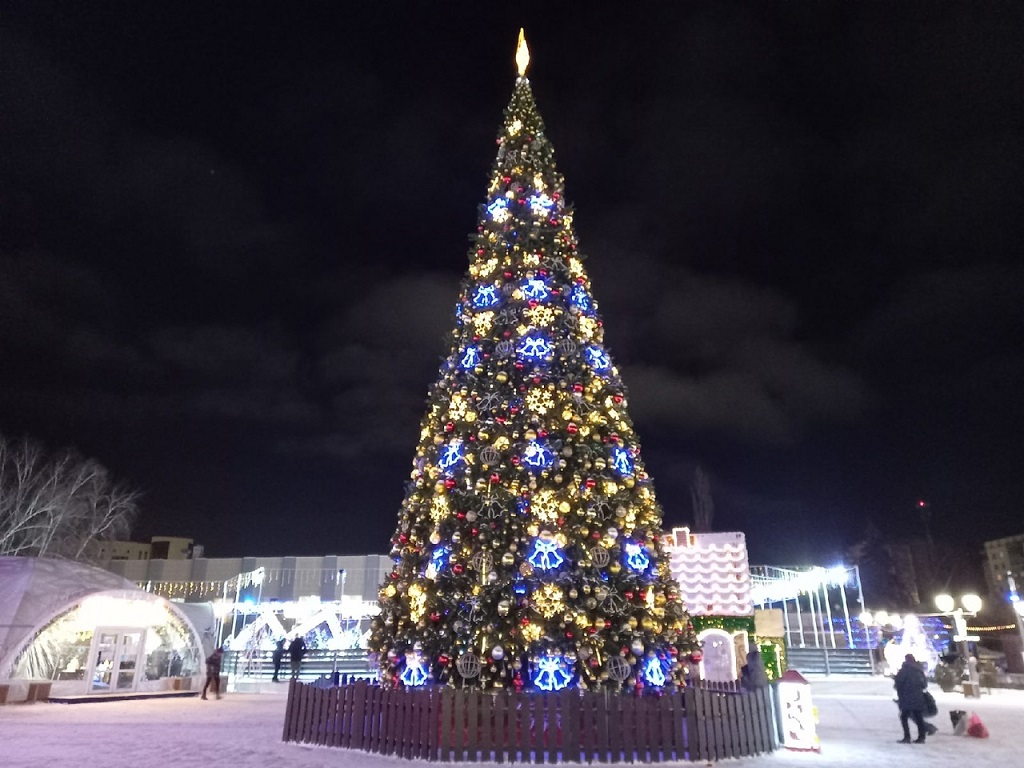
{"x": 34, "y": 591}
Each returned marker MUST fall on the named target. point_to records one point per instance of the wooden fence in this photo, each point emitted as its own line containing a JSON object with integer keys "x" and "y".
{"x": 569, "y": 726}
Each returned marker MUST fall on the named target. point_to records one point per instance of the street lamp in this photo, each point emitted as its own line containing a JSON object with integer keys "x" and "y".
{"x": 971, "y": 605}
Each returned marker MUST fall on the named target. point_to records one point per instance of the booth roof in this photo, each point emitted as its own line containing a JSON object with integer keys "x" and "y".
{"x": 34, "y": 590}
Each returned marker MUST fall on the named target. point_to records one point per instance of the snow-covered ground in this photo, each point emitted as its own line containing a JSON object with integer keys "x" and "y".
{"x": 858, "y": 727}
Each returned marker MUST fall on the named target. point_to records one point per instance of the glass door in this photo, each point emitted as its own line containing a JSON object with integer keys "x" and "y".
{"x": 116, "y": 654}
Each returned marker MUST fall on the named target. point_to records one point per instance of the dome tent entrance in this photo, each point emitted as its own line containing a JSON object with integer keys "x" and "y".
{"x": 88, "y": 631}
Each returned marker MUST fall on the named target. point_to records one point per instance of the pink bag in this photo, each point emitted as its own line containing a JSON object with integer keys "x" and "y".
{"x": 976, "y": 728}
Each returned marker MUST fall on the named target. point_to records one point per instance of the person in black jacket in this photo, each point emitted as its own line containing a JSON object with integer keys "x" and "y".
{"x": 278, "y": 657}
{"x": 910, "y": 686}
{"x": 296, "y": 650}
{"x": 753, "y": 675}
{"x": 213, "y": 662}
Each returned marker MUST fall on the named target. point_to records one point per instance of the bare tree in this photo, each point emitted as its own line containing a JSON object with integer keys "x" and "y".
{"x": 61, "y": 506}
{"x": 703, "y": 504}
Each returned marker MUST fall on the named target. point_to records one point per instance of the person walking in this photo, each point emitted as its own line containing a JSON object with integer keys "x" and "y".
{"x": 296, "y": 650}
{"x": 213, "y": 662}
{"x": 278, "y": 657}
{"x": 910, "y": 686}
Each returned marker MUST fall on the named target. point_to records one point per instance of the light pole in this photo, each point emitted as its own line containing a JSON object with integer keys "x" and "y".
{"x": 971, "y": 605}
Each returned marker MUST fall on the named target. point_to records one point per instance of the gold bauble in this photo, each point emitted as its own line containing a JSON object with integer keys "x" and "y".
{"x": 501, "y": 377}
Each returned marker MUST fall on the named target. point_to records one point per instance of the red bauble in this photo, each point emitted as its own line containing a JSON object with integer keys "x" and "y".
{"x": 449, "y": 483}
{"x": 495, "y": 477}
{"x": 571, "y": 428}
{"x": 590, "y": 482}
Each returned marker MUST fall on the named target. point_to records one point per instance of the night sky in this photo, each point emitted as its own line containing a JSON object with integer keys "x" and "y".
{"x": 232, "y": 236}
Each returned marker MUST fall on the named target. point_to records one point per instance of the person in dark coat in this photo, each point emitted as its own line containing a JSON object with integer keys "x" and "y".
{"x": 213, "y": 662}
{"x": 910, "y": 686}
{"x": 278, "y": 657}
{"x": 296, "y": 650}
{"x": 753, "y": 674}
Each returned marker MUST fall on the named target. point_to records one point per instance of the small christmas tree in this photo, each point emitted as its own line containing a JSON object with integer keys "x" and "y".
{"x": 528, "y": 551}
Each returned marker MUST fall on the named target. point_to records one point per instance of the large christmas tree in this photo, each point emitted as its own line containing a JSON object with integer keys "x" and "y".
{"x": 527, "y": 552}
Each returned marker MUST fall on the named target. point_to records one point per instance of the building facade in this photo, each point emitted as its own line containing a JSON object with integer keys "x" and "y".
{"x": 1004, "y": 557}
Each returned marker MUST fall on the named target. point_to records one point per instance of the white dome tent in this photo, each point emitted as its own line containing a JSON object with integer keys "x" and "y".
{"x": 87, "y": 632}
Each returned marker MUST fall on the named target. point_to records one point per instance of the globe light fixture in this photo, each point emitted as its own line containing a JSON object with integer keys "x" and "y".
{"x": 945, "y": 603}
{"x": 971, "y": 603}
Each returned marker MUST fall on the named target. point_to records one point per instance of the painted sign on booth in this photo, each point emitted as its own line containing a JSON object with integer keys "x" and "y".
{"x": 799, "y": 715}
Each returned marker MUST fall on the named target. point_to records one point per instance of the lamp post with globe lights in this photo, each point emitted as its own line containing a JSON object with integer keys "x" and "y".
{"x": 969, "y": 606}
